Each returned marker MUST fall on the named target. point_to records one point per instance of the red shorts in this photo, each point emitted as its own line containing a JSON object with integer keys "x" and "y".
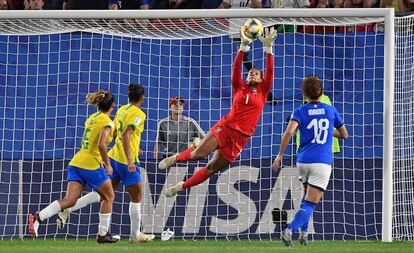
{"x": 231, "y": 142}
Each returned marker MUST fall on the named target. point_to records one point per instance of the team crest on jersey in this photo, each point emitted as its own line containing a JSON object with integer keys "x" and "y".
{"x": 254, "y": 90}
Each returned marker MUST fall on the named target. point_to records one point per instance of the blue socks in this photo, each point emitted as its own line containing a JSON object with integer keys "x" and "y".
{"x": 302, "y": 216}
{"x": 305, "y": 225}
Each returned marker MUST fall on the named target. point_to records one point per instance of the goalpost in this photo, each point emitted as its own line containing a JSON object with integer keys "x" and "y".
{"x": 49, "y": 61}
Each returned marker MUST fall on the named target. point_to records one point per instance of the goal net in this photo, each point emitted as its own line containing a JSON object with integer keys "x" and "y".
{"x": 403, "y": 194}
{"x": 50, "y": 61}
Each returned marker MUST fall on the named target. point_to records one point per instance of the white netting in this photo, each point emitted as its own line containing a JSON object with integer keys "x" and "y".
{"x": 44, "y": 79}
{"x": 403, "y": 193}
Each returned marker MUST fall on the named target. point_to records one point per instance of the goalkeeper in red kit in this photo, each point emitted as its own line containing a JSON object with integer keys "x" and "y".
{"x": 229, "y": 135}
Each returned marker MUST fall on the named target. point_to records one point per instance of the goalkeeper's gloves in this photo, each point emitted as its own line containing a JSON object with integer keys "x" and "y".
{"x": 244, "y": 45}
{"x": 195, "y": 142}
{"x": 269, "y": 39}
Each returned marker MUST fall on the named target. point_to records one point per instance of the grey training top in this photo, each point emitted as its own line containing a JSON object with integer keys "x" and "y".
{"x": 175, "y": 136}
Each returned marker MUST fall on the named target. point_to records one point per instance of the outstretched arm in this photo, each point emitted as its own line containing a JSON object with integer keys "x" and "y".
{"x": 268, "y": 41}
{"x": 237, "y": 78}
{"x": 269, "y": 72}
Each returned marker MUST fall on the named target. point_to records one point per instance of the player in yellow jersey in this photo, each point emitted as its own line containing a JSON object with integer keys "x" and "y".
{"x": 90, "y": 165}
{"x": 129, "y": 124}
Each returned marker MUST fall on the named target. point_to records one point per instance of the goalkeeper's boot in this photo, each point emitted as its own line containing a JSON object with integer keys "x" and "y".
{"x": 108, "y": 238}
{"x": 34, "y": 222}
{"x": 172, "y": 191}
{"x": 287, "y": 237}
{"x": 142, "y": 238}
{"x": 303, "y": 238}
{"x": 167, "y": 162}
{"x": 62, "y": 218}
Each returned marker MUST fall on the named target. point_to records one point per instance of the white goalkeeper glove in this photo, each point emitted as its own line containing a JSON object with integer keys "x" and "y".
{"x": 244, "y": 45}
{"x": 195, "y": 142}
{"x": 269, "y": 39}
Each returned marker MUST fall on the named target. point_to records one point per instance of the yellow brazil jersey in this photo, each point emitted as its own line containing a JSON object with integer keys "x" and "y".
{"x": 89, "y": 157}
{"x": 128, "y": 115}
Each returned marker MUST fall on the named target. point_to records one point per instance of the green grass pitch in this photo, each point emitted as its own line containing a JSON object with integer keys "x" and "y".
{"x": 81, "y": 246}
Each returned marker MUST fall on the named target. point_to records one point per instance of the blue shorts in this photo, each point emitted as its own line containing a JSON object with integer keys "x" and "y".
{"x": 95, "y": 178}
{"x": 121, "y": 173}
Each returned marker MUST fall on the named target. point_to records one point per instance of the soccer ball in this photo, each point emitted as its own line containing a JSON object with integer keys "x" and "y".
{"x": 253, "y": 28}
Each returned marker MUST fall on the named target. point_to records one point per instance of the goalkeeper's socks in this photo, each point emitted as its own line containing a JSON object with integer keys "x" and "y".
{"x": 135, "y": 218}
{"x": 198, "y": 177}
{"x": 90, "y": 198}
{"x": 104, "y": 220}
{"x": 302, "y": 216}
{"x": 49, "y": 211}
{"x": 185, "y": 155}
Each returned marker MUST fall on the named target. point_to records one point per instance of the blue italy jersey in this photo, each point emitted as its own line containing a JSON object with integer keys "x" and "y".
{"x": 316, "y": 124}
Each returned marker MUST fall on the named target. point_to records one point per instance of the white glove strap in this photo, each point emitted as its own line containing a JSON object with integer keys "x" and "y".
{"x": 244, "y": 48}
{"x": 269, "y": 50}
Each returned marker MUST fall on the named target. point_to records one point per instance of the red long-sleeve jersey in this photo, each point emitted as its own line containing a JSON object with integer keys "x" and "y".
{"x": 248, "y": 103}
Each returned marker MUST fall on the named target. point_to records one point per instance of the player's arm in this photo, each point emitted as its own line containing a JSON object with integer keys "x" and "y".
{"x": 103, "y": 137}
{"x": 341, "y": 132}
{"x": 268, "y": 40}
{"x": 236, "y": 77}
{"x": 126, "y": 145}
{"x": 293, "y": 124}
{"x": 161, "y": 138}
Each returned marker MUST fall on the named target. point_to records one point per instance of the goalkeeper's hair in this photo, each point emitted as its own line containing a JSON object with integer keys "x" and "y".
{"x": 312, "y": 87}
{"x": 135, "y": 92}
{"x": 102, "y": 99}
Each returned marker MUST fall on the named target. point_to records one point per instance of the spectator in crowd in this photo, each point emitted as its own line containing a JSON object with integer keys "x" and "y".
{"x": 128, "y": 4}
{"x": 53, "y": 4}
{"x": 175, "y": 4}
{"x": 176, "y": 132}
{"x": 390, "y": 4}
{"x": 85, "y": 5}
{"x": 4, "y": 5}
{"x": 406, "y": 5}
{"x": 36, "y": 4}
{"x": 237, "y": 4}
{"x": 361, "y": 3}
{"x": 211, "y": 4}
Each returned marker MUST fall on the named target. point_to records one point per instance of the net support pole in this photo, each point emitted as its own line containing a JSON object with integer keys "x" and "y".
{"x": 387, "y": 176}
{"x": 20, "y": 201}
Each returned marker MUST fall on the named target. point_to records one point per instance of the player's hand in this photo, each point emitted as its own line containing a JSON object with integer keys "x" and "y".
{"x": 268, "y": 39}
{"x": 276, "y": 163}
{"x": 140, "y": 152}
{"x": 109, "y": 170}
{"x": 131, "y": 167}
{"x": 244, "y": 45}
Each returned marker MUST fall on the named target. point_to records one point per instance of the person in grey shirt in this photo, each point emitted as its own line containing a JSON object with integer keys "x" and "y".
{"x": 176, "y": 132}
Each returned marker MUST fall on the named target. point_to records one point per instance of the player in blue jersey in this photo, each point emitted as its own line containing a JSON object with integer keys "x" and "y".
{"x": 316, "y": 122}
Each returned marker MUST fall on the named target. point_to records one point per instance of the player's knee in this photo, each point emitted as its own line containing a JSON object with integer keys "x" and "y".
{"x": 108, "y": 196}
{"x": 136, "y": 198}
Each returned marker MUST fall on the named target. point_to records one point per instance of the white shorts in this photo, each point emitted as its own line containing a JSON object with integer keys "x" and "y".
{"x": 315, "y": 174}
